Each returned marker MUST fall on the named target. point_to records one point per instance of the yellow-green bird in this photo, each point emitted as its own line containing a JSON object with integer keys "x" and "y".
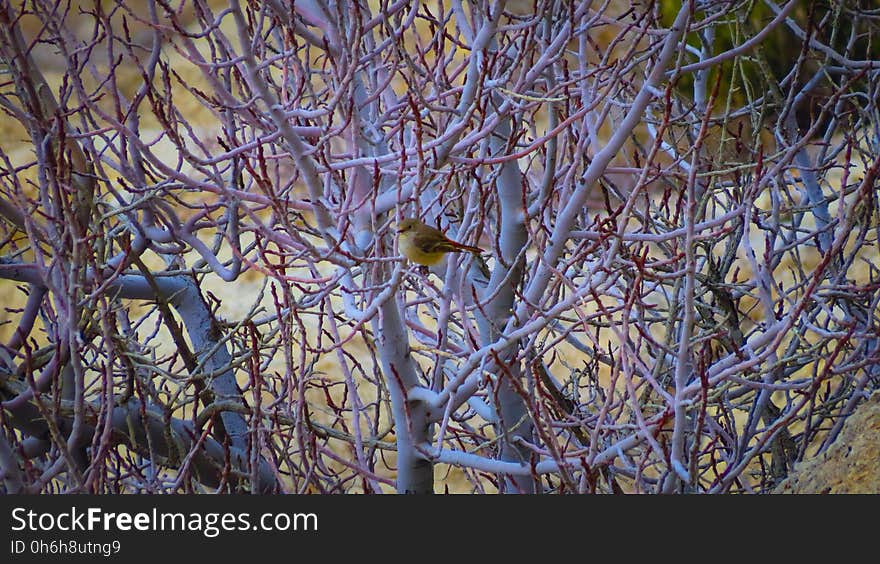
{"x": 427, "y": 246}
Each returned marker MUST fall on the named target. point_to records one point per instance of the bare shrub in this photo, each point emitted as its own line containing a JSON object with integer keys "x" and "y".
{"x": 679, "y": 217}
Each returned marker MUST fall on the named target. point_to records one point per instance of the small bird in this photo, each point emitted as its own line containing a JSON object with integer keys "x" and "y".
{"x": 427, "y": 246}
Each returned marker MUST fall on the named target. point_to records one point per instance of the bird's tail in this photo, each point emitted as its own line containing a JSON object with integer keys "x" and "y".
{"x": 455, "y": 247}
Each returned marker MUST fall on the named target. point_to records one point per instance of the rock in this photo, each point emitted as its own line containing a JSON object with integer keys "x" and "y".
{"x": 850, "y": 464}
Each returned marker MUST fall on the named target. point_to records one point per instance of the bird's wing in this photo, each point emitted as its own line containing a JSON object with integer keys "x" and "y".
{"x": 434, "y": 241}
